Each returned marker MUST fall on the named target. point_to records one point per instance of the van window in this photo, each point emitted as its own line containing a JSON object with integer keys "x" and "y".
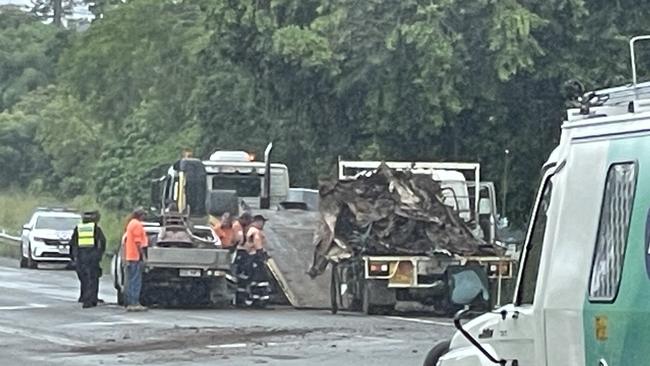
{"x": 613, "y": 228}
{"x": 528, "y": 283}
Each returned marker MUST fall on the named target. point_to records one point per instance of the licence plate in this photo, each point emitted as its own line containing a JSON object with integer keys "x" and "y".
{"x": 189, "y": 272}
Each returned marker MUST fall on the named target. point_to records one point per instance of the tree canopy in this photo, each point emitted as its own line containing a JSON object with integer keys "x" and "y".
{"x": 100, "y": 111}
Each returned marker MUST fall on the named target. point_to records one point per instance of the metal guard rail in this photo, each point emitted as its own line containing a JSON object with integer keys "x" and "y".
{"x": 15, "y": 240}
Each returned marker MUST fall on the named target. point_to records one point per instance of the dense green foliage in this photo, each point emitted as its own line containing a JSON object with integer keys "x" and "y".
{"x": 101, "y": 111}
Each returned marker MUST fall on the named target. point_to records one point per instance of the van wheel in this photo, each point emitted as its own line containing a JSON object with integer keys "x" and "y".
{"x": 23, "y": 262}
{"x": 435, "y": 353}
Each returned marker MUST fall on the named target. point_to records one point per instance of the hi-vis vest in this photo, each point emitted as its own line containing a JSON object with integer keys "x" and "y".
{"x": 86, "y": 234}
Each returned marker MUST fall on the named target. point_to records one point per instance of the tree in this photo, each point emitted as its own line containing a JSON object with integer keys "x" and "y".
{"x": 30, "y": 53}
{"x": 137, "y": 75}
{"x": 56, "y": 10}
{"x": 410, "y": 80}
{"x": 49, "y": 134}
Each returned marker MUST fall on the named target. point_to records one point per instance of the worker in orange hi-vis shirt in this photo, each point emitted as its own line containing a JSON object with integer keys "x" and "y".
{"x": 135, "y": 241}
{"x": 230, "y": 231}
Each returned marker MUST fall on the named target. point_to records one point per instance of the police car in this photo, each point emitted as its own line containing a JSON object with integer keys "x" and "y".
{"x": 46, "y": 236}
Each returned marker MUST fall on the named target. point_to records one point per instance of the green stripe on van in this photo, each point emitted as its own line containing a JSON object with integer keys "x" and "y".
{"x": 625, "y": 323}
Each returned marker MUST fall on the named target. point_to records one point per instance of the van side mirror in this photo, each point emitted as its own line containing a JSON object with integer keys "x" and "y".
{"x": 26, "y": 227}
{"x": 466, "y": 286}
{"x": 484, "y": 206}
{"x": 156, "y": 192}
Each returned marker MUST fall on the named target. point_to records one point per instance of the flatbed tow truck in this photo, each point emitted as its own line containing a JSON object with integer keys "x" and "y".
{"x": 184, "y": 263}
{"x": 233, "y": 182}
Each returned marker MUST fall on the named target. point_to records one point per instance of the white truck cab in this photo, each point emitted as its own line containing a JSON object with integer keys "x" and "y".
{"x": 583, "y": 290}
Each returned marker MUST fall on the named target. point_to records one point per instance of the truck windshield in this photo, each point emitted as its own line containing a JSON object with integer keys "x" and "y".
{"x": 245, "y": 185}
{"x": 57, "y": 223}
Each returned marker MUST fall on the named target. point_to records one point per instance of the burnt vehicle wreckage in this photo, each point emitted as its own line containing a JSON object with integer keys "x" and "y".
{"x": 408, "y": 232}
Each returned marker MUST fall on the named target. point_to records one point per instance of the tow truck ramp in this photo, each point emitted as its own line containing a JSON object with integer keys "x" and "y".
{"x": 289, "y": 235}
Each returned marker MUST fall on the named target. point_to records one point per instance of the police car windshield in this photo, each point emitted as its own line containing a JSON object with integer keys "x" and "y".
{"x": 57, "y": 223}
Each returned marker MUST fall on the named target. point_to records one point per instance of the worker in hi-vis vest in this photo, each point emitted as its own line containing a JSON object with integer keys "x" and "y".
{"x": 87, "y": 246}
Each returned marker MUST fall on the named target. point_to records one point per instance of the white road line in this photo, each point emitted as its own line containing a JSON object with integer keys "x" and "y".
{"x": 230, "y": 345}
{"x": 23, "y": 307}
{"x": 107, "y": 324}
{"x": 273, "y": 344}
{"x": 61, "y": 341}
{"x": 199, "y": 317}
{"x": 422, "y": 321}
{"x": 244, "y": 345}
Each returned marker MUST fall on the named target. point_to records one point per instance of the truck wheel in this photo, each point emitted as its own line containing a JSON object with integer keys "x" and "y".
{"x": 219, "y": 293}
{"x": 367, "y": 307}
{"x": 435, "y": 353}
{"x": 334, "y": 290}
{"x": 120, "y": 297}
{"x": 259, "y": 304}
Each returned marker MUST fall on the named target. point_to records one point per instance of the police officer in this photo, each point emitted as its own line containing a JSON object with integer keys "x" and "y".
{"x": 87, "y": 246}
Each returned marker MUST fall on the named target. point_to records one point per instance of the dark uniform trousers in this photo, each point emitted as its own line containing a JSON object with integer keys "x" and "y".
{"x": 88, "y": 273}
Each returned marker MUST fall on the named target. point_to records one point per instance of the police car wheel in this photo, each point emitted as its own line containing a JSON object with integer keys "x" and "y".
{"x": 435, "y": 353}
{"x": 30, "y": 262}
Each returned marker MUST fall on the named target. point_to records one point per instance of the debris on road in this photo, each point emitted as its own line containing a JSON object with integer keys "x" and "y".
{"x": 388, "y": 212}
{"x": 182, "y": 338}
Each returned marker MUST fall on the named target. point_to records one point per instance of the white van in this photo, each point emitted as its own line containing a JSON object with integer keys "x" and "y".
{"x": 583, "y": 290}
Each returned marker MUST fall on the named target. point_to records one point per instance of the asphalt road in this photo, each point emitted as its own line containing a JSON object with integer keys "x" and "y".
{"x": 42, "y": 324}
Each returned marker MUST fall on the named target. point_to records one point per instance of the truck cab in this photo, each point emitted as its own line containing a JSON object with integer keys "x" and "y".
{"x": 582, "y": 291}
{"x": 234, "y": 182}
{"x": 231, "y": 181}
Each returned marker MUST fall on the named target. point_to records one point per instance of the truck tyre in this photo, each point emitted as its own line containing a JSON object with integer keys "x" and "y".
{"x": 120, "y": 297}
{"x": 366, "y": 306}
{"x": 334, "y": 290}
{"x": 219, "y": 294}
{"x": 435, "y": 353}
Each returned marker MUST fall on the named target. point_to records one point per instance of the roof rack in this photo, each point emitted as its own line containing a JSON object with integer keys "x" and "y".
{"x": 631, "y": 98}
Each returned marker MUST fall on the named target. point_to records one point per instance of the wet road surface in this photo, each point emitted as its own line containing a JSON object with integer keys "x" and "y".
{"x": 42, "y": 324}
